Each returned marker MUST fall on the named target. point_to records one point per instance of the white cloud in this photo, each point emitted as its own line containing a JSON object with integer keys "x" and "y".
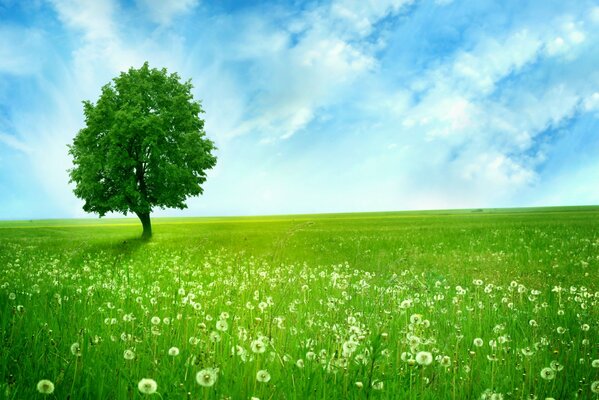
{"x": 14, "y": 143}
{"x": 591, "y": 102}
{"x": 360, "y": 15}
{"x": 22, "y": 50}
{"x": 163, "y": 12}
{"x": 93, "y": 18}
{"x": 570, "y": 36}
{"x": 480, "y": 69}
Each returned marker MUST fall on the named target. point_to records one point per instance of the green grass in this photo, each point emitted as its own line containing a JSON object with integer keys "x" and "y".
{"x": 353, "y": 296}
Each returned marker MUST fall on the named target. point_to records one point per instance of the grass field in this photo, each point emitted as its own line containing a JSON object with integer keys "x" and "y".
{"x": 473, "y": 304}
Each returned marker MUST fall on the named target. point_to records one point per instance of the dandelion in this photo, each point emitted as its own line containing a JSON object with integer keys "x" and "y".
{"x": 478, "y": 342}
{"x": 147, "y": 386}
{"x": 595, "y": 387}
{"x": 556, "y": 366}
{"x": 263, "y": 376}
{"x": 76, "y": 349}
{"x": 415, "y": 319}
{"x": 547, "y": 374}
{"x": 300, "y": 363}
{"x": 377, "y": 385}
{"x": 359, "y": 385}
{"x": 445, "y": 361}
{"x": 424, "y": 358}
{"x": 207, "y": 377}
{"x": 527, "y": 351}
{"x": 595, "y": 363}
{"x": 414, "y": 341}
{"x": 173, "y": 351}
{"x": 349, "y": 347}
{"x": 155, "y": 320}
{"x": 222, "y": 325}
{"x": 128, "y": 354}
{"x": 258, "y": 346}
{"x": 214, "y": 337}
{"x": 45, "y": 386}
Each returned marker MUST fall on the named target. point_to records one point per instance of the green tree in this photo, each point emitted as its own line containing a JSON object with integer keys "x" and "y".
{"x": 143, "y": 146}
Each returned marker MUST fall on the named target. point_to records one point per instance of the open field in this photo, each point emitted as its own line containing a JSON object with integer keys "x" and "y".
{"x": 416, "y": 305}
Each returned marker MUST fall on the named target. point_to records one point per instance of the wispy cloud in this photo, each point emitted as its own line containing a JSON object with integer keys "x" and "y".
{"x": 163, "y": 12}
{"x": 14, "y": 143}
{"x": 333, "y": 105}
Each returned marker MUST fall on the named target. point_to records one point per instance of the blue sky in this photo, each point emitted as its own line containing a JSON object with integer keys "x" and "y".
{"x": 321, "y": 106}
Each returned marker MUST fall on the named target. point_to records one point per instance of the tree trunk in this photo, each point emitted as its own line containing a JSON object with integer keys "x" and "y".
{"x": 147, "y": 225}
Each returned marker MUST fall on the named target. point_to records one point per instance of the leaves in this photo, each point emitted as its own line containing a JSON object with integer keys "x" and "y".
{"x": 143, "y": 146}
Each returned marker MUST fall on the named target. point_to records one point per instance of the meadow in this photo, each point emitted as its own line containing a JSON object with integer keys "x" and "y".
{"x": 471, "y": 304}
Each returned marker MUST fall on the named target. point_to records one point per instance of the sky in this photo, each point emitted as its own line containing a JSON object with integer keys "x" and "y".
{"x": 320, "y": 106}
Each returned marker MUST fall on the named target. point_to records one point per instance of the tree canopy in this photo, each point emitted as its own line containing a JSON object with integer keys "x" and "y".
{"x": 143, "y": 146}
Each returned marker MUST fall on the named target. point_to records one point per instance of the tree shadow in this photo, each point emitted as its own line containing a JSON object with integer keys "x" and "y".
{"x": 116, "y": 249}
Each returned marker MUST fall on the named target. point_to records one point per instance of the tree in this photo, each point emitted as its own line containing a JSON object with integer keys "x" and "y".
{"x": 143, "y": 146}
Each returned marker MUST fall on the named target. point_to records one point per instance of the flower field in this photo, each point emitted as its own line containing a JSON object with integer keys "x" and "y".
{"x": 499, "y": 304}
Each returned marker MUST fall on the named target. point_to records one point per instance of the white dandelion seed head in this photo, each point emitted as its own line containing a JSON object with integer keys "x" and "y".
{"x": 349, "y": 347}
{"x": 595, "y": 387}
{"x": 415, "y": 319}
{"x": 147, "y": 386}
{"x": 214, "y": 337}
{"x": 359, "y": 385}
{"x": 76, "y": 349}
{"x": 222, "y": 325}
{"x": 258, "y": 346}
{"x": 173, "y": 351}
{"x": 478, "y": 342}
{"x": 45, "y": 386}
{"x": 424, "y": 358}
{"x": 556, "y": 366}
{"x": 377, "y": 385}
{"x": 413, "y": 341}
{"x": 263, "y": 376}
{"x": 527, "y": 351}
{"x": 128, "y": 354}
{"x": 547, "y": 373}
{"x": 155, "y": 320}
{"x": 207, "y": 377}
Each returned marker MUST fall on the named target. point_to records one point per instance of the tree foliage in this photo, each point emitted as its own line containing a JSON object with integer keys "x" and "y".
{"x": 143, "y": 146}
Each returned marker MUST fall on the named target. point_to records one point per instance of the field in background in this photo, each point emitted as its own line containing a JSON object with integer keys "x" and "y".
{"x": 330, "y": 306}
